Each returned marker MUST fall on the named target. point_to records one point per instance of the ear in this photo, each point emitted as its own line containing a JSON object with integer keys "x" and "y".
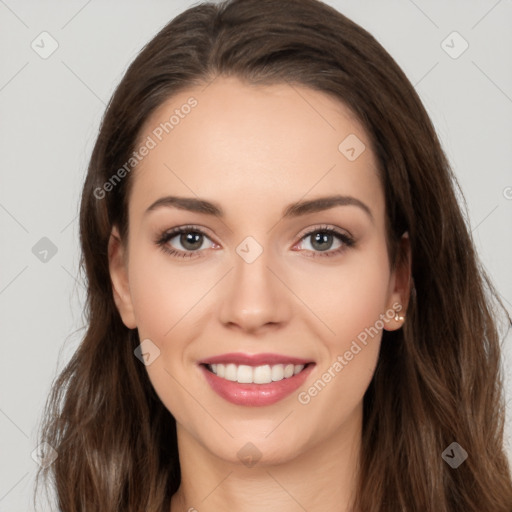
{"x": 401, "y": 285}
{"x": 118, "y": 267}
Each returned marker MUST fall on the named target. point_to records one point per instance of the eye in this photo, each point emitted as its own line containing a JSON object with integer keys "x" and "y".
{"x": 191, "y": 239}
{"x": 322, "y": 239}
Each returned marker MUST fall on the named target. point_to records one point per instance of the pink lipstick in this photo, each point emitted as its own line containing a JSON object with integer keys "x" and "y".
{"x": 255, "y": 380}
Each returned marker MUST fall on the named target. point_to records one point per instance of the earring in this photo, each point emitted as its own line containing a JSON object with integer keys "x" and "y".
{"x": 399, "y": 318}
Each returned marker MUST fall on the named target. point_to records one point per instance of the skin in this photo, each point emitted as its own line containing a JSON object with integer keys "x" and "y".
{"x": 254, "y": 150}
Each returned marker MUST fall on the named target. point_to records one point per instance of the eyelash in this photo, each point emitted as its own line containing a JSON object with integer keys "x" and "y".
{"x": 164, "y": 237}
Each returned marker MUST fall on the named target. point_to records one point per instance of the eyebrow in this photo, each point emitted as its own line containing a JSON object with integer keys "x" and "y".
{"x": 293, "y": 210}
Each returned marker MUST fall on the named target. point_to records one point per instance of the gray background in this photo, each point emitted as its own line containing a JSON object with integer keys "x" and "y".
{"x": 50, "y": 109}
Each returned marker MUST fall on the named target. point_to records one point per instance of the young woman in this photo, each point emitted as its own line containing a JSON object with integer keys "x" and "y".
{"x": 285, "y": 308}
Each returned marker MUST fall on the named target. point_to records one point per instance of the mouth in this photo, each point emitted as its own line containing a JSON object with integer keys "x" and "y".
{"x": 255, "y": 380}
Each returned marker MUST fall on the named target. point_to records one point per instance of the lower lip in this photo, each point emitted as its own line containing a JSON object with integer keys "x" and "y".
{"x": 254, "y": 395}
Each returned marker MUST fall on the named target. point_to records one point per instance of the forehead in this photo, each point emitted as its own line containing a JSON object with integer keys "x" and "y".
{"x": 254, "y": 145}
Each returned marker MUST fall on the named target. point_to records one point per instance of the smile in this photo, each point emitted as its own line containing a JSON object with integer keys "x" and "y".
{"x": 255, "y": 380}
{"x": 265, "y": 374}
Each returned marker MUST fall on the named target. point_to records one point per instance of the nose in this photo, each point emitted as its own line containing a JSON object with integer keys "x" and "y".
{"x": 255, "y": 297}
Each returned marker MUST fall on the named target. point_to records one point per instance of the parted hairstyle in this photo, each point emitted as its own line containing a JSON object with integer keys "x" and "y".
{"x": 438, "y": 379}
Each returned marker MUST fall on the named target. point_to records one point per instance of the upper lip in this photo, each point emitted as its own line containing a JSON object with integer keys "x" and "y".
{"x": 239, "y": 358}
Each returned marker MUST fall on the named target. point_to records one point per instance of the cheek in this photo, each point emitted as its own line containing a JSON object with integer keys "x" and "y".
{"x": 162, "y": 293}
{"x": 163, "y": 297}
{"x": 348, "y": 297}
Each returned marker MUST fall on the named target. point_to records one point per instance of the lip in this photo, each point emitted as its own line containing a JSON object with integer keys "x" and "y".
{"x": 255, "y": 395}
{"x": 239, "y": 358}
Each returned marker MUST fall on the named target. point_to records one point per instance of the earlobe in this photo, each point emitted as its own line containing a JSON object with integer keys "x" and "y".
{"x": 119, "y": 277}
{"x": 399, "y": 298}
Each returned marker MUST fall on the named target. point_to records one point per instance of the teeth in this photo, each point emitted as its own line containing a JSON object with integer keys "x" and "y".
{"x": 244, "y": 375}
{"x": 231, "y": 372}
{"x": 264, "y": 374}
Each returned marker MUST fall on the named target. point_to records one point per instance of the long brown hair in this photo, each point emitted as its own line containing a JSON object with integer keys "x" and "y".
{"x": 438, "y": 379}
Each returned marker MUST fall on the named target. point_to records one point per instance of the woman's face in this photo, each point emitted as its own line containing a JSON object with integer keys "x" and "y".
{"x": 256, "y": 273}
